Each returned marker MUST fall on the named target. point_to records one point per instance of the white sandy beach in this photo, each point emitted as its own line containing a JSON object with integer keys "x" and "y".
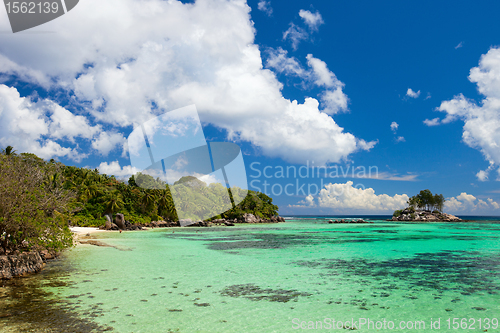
{"x": 84, "y": 230}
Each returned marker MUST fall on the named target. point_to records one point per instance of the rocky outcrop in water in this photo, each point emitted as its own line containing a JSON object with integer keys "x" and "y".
{"x": 349, "y": 221}
{"x": 250, "y": 218}
{"x": 246, "y": 218}
{"x": 14, "y": 265}
{"x": 409, "y": 214}
{"x": 122, "y": 224}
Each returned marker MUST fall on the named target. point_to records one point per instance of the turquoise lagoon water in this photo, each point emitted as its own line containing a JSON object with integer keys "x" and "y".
{"x": 277, "y": 277}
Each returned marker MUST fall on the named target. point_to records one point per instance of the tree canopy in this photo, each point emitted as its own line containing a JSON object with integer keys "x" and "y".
{"x": 426, "y": 200}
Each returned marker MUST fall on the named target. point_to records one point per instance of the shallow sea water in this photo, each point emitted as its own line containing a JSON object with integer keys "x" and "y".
{"x": 269, "y": 278}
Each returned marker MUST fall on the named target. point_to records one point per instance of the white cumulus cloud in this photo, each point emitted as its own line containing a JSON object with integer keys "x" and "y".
{"x": 107, "y": 141}
{"x": 279, "y": 61}
{"x": 41, "y": 127}
{"x": 313, "y": 20}
{"x": 333, "y": 99}
{"x": 482, "y": 175}
{"x": 412, "y": 94}
{"x": 131, "y": 60}
{"x": 481, "y": 121}
{"x": 265, "y": 6}
{"x": 432, "y": 122}
{"x": 116, "y": 170}
{"x": 295, "y": 34}
{"x": 394, "y": 129}
{"x": 307, "y": 202}
{"x": 345, "y": 197}
{"x": 467, "y": 203}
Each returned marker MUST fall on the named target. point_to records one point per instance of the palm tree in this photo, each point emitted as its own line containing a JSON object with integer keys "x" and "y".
{"x": 9, "y": 150}
{"x": 114, "y": 202}
{"x": 52, "y": 181}
{"x": 166, "y": 205}
{"x": 148, "y": 200}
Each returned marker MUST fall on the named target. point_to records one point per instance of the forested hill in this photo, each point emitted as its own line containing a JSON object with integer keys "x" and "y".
{"x": 38, "y": 198}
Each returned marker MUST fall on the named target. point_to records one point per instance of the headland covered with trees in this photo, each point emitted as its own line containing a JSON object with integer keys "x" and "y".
{"x": 39, "y": 200}
{"x": 424, "y": 206}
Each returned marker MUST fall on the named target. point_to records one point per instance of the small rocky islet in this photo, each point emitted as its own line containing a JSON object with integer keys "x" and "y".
{"x": 409, "y": 214}
{"x": 425, "y": 207}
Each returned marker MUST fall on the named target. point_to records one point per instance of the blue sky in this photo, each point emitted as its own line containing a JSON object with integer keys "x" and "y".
{"x": 340, "y": 84}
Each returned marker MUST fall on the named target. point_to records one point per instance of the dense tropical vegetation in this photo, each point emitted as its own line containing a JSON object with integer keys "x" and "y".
{"x": 34, "y": 204}
{"x": 39, "y": 198}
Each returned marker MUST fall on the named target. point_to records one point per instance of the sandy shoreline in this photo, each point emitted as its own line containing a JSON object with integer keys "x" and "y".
{"x": 84, "y": 230}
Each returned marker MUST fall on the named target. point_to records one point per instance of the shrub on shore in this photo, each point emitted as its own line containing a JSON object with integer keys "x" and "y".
{"x": 34, "y": 205}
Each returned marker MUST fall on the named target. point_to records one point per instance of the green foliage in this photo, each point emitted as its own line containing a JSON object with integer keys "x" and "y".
{"x": 99, "y": 195}
{"x": 255, "y": 203}
{"x": 147, "y": 181}
{"x": 145, "y": 198}
{"x": 9, "y": 150}
{"x": 34, "y": 204}
{"x": 397, "y": 213}
{"x": 59, "y": 194}
{"x": 426, "y": 200}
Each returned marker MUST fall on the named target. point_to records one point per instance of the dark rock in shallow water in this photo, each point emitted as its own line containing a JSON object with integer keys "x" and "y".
{"x": 127, "y": 225}
{"x": 185, "y": 222}
{"x": 20, "y": 264}
{"x": 250, "y": 218}
{"x": 478, "y": 308}
{"x": 349, "y": 221}
{"x": 47, "y": 255}
{"x": 256, "y": 293}
{"x": 202, "y": 304}
{"x": 199, "y": 224}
